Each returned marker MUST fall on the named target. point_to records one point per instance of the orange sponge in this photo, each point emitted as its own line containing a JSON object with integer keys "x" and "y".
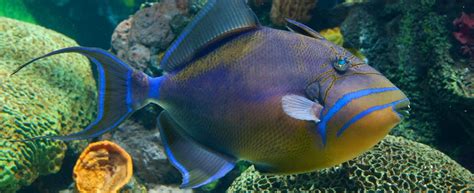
{"x": 102, "y": 167}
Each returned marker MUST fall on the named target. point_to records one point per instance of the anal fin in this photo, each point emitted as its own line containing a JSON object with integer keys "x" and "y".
{"x": 198, "y": 165}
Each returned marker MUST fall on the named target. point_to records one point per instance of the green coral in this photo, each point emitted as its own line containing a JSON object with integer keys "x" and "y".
{"x": 395, "y": 164}
{"x": 52, "y": 96}
{"x": 408, "y": 41}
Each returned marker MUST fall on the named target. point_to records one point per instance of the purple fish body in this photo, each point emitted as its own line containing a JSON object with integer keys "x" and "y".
{"x": 288, "y": 102}
{"x": 235, "y": 95}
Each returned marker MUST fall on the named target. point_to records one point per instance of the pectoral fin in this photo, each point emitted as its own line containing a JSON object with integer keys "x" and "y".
{"x": 198, "y": 165}
{"x": 301, "y": 108}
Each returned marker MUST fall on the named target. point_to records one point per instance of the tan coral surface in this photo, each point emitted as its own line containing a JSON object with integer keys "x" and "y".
{"x": 52, "y": 96}
{"x": 395, "y": 164}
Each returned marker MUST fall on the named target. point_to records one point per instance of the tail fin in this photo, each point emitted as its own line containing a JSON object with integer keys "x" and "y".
{"x": 114, "y": 92}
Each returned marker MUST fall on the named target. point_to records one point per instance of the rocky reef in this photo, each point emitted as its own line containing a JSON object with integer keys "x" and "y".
{"x": 294, "y": 9}
{"x": 151, "y": 163}
{"x": 395, "y": 164}
{"x": 48, "y": 98}
{"x": 410, "y": 42}
{"x": 140, "y": 39}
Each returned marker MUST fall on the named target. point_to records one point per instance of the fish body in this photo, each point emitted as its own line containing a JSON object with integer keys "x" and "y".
{"x": 287, "y": 101}
{"x": 235, "y": 95}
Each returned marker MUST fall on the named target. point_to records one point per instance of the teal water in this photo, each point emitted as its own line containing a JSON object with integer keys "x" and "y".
{"x": 426, "y": 48}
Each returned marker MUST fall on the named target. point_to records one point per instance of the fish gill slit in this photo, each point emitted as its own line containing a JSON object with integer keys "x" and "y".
{"x": 356, "y": 65}
{"x": 329, "y": 88}
{"x": 322, "y": 76}
{"x": 352, "y": 57}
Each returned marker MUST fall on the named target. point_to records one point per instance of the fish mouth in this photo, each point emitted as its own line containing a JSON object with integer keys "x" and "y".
{"x": 402, "y": 108}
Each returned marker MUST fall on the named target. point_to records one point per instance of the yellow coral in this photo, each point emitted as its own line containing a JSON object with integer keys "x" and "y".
{"x": 335, "y": 36}
{"x": 49, "y": 98}
{"x": 103, "y": 167}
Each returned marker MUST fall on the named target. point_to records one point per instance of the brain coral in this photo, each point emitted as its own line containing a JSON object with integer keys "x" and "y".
{"x": 53, "y": 96}
{"x": 395, "y": 164}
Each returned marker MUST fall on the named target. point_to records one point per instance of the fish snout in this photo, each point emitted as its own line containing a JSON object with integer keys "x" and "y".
{"x": 403, "y": 108}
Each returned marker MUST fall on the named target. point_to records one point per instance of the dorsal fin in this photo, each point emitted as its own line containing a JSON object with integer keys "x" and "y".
{"x": 216, "y": 20}
{"x": 300, "y": 28}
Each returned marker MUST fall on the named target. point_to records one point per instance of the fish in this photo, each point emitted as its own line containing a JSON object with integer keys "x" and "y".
{"x": 287, "y": 101}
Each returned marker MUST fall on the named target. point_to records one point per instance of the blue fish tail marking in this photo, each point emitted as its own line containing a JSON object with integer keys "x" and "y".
{"x": 341, "y": 103}
{"x": 115, "y": 96}
{"x": 154, "y": 88}
{"x": 365, "y": 113}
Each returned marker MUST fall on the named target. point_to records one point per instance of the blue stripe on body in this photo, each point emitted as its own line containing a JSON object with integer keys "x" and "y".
{"x": 342, "y": 102}
{"x": 187, "y": 30}
{"x": 365, "y": 113}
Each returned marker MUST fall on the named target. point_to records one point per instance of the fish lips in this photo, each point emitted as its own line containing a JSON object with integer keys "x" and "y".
{"x": 402, "y": 108}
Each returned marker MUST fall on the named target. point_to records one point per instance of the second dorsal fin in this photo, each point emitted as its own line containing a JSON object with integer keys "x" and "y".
{"x": 300, "y": 28}
{"x": 216, "y": 20}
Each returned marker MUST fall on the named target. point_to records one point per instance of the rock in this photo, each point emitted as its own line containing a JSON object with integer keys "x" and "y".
{"x": 396, "y": 164}
{"x": 139, "y": 39}
{"x": 293, "y": 9}
{"x": 169, "y": 189}
{"x": 149, "y": 159}
{"x": 132, "y": 187}
{"x": 51, "y": 97}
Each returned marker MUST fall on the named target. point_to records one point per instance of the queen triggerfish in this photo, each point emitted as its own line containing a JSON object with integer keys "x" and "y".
{"x": 286, "y": 101}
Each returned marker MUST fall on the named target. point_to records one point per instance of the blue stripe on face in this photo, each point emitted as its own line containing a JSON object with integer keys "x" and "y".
{"x": 342, "y": 102}
{"x": 365, "y": 113}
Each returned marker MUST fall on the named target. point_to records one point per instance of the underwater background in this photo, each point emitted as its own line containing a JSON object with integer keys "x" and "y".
{"x": 425, "y": 47}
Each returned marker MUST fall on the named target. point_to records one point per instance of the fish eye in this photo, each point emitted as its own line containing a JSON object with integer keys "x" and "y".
{"x": 341, "y": 64}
